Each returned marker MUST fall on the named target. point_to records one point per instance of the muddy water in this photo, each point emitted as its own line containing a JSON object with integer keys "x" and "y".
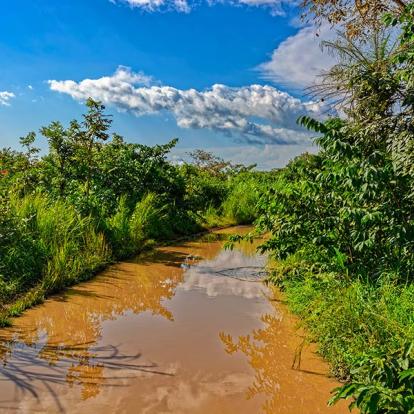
{"x": 184, "y": 329}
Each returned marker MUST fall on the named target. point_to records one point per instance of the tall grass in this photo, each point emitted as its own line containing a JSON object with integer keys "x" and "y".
{"x": 129, "y": 228}
{"x": 348, "y": 317}
{"x": 117, "y": 230}
{"x": 47, "y": 244}
{"x": 148, "y": 220}
{"x": 240, "y": 204}
{"x": 55, "y": 247}
{"x": 214, "y": 217}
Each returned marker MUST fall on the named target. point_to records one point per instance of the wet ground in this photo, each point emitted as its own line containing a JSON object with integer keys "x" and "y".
{"x": 185, "y": 329}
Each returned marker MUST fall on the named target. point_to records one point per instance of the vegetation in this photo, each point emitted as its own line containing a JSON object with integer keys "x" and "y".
{"x": 341, "y": 223}
{"x": 94, "y": 198}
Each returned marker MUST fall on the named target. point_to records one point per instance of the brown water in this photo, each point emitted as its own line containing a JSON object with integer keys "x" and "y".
{"x": 184, "y": 329}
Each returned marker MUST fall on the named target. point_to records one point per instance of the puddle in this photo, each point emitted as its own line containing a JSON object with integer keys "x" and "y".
{"x": 185, "y": 329}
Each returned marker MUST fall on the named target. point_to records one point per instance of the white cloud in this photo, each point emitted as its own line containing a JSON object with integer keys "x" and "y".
{"x": 255, "y": 113}
{"x": 5, "y": 98}
{"x": 276, "y": 6}
{"x": 299, "y": 59}
{"x": 154, "y": 5}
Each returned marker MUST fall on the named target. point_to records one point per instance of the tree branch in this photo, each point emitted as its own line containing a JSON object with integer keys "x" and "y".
{"x": 400, "y": 3}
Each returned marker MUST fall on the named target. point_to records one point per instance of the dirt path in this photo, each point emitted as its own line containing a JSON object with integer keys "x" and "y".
{"x": 185, "y": 329}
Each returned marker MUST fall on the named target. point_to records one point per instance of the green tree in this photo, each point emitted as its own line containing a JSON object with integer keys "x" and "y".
{"x": 61, "y": 152}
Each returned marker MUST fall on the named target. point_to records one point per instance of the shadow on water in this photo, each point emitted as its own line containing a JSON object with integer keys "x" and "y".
{"x": 57, "y": 344}
{"x": 64, "y": 352}
{"x": 178, "y": 253}
{"x": 164, "y": 257}
{"x": 75, "y": 365}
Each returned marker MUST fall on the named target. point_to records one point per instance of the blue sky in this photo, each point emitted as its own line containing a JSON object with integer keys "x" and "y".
{"x": 155, "y": 63}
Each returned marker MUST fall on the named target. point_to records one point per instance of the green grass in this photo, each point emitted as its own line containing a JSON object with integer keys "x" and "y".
{"x": 57, "y": 247}
{"x": 212, "y": 217}
{"x": 348, "y": 318}
{"x": 240, "y": 204}
{"x": 53, "y": 246}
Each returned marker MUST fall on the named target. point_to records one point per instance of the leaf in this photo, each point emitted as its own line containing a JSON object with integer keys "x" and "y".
{"x": 312, "y": 124}
{"x": 372, "y": 404}
{"x": 409, "y": 373}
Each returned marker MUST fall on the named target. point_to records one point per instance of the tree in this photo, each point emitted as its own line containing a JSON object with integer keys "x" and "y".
{"x": 61, "y": 152}
{"x": 364, "y": 83}
{"x": 215, "y": 165}
{"x": 96, "y": 125}
{"x": 31, "y": 151}
{"x": 87, "y": 137}
{"x": 355, "y": 17}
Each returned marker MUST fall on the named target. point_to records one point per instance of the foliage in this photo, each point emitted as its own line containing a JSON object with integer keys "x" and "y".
{"x": 241, "y": 203}
{"x": 354, "y": 16}
{"x": 206, "y": 161}
{"x": 351, "y": 199}
{"x": 94, "y": 198}
{"x": 386, "y": 383}
{"x": 203, "y": 190}
{"x": 341, "y": 222}
{"x": 346, "y": 318}
{"x": 48, "y": 243}
{"x": 19, "y": 253}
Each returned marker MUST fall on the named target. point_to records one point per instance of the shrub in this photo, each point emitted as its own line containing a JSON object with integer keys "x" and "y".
{"x": 382, "y": 383}
{"x": 240, "y": 204}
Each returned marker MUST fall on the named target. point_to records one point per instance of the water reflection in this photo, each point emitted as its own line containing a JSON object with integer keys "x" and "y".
{"x": 287, "y": 384}
{"x": 77, "y": 366}
{"x": 57, "y": 343}
{"x": 143, "y": 337}
{"x": 233, "y": 273}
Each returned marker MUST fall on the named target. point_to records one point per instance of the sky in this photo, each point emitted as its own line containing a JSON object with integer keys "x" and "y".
{"x": 226, "y": 76}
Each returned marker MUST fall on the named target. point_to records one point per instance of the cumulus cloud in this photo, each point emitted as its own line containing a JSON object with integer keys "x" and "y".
{"x": 154, "y": 5}
{"x": 185, "y": 6}
{"x": 276, "y": 7}
{"x": 299, "y": 59}
{"x": 5, "y": 98}
{"x": 255, "y": 113}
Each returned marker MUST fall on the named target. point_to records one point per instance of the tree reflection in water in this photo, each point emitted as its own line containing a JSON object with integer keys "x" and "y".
{"x": 57, "y": 342}
{"x": 259, "y": 348}
{"x": 66, "y": 351}
{"x": 271, "y": 352}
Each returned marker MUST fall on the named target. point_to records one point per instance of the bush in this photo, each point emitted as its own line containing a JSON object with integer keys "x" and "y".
{"x": 147, "y": 220}
{"x": 382, "y": 383}
{"x": 93, "y": 199}
{"x": 117, "y": 230}
{"x": 241, "y": 203}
